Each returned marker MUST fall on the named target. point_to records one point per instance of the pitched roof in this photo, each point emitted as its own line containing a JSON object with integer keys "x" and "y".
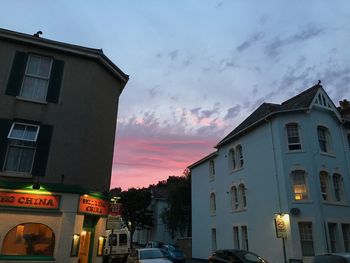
{"x": 301, "y": 101}
{"x": 91, "y": 53}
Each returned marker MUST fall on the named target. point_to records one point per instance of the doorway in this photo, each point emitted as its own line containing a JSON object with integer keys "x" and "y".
{"x": 87, "y": 239}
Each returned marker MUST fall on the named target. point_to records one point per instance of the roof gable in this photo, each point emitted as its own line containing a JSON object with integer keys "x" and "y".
{"x": 314, "y": 96}
{"x": 322, "y": 101}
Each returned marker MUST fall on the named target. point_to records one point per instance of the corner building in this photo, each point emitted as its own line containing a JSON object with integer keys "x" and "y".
{"x": 58, "y": 110}
{"x": 278, "y": 184}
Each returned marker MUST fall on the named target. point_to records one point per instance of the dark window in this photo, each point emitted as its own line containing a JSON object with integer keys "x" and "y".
{"x": 306, "y": 238}
{"x": 24, "y": 147}
{"x": 123, "y": 239}
{"x": 293, "y": 136}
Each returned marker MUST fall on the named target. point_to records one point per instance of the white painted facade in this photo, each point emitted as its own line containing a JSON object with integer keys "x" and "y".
{"x": 266, "y": 173}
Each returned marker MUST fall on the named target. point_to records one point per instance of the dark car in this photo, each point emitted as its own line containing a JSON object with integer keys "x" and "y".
{"x": 173, "y": 253}
{"x": 235, "y": 256}
{"x": 332, "y": 258}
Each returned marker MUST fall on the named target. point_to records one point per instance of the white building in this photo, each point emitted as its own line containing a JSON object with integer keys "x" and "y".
{"x": 289, "y": 159}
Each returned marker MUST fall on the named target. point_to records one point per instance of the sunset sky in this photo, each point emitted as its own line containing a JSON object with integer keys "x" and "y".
{"x": 197, "y": 67}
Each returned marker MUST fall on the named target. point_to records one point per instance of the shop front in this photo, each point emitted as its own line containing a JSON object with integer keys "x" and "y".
{"x": 51, "y": 226}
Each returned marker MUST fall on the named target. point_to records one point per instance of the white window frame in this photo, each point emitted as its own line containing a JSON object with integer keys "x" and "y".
{"x": 338, "y": 190}
{"x": 212, "y": 203}
{"x": 306, "y": 236}
{"x": 34, "y": 76}
{"x": 325, "y": 186}
{"x": 346, "y": 236}
{"x": 22, "y": 143}
{"x": 211, "y": 169}
{"x": 240, "y": 159}
{"x": 333, "y": 236}
{"x": 304, "y": 195}
{"x": 232, "y": 159}
{"x": 242, "y": 196}
{"x": 244, "y": 232}
{"x": 289, "y": 135}
{"x": 326, "y": 139}
{"x": 236, "y": 241}
{"x": 234, "y": 198}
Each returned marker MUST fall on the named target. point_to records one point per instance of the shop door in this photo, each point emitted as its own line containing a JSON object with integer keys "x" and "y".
{"x": 84, "y": 247}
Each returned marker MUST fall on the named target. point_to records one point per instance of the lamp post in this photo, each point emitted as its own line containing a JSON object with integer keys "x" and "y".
{"x": 281, "y": 225}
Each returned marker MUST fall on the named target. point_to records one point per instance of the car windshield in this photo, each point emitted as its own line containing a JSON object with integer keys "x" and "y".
{"x": 150, "y": 253}
{"x": 250, "y": 257}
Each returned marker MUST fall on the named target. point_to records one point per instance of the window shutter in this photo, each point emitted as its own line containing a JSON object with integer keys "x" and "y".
{"x": 55, "y": 81}
{"x": 17, "y": 73}
{"x": 5, "y": 126}
{"x": 42, "y": 150}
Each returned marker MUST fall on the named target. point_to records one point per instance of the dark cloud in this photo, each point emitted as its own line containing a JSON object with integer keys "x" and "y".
{"x": 233, "y": 112}
{"x": 202, "y": 114}
{"x": 273, "y": 49}
{"x": 173, "y": 54}
{"x": 250, "y": 41}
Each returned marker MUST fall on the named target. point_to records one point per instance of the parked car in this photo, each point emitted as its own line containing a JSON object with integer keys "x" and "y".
{"x": 235, "y": 256}
{"x": 147, "y": 255}
{"x": 156, "y": 244}
{"x": 332, "y": 258}
{"x": 173, "y": 253}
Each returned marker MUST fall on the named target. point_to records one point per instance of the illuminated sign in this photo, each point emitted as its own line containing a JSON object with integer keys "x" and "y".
{"x": 115, "y": 209}
{"x": 91, "y": 205}
{"x": 24, "y": 200}
{"x": 281, "y": 224}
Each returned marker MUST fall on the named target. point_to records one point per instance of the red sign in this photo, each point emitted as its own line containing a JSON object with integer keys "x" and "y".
{"x": 115, "y": 209}
{"x": 14, "y": 199}
{"x": 91, "y": 205}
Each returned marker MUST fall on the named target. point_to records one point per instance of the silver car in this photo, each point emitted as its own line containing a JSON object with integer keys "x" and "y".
{"x": 147, "y": 255}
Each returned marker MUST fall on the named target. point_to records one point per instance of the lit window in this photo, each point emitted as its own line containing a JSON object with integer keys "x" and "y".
{"x": 293, "y": 136}
{"x": 338, "y": 187}
{"x": 306, "y": 238}
{"x": 324, "y": 139}
{"x": 212, "y": 203}
{"x": 29, "y": 239}
{"x": 21, "y": 148}
{"x": 36, "y": 78}
{"x": 299, "y": 185}
{"x": 324, "y": 182}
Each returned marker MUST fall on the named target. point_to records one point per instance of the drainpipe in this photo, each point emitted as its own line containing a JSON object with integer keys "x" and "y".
{"x": 277, "y": 186}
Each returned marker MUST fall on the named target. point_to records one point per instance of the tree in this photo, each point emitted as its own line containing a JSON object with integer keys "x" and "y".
{"x": 135, "y": 213}
{"x": 177, "y": 216}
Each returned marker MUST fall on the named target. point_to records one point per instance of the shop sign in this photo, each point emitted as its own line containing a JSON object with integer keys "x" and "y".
{"x": 113, "y": 222}
{"x": 115, "y": 209}
{"x": 91, "y": 205}
{"x": 25, "y": 200}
